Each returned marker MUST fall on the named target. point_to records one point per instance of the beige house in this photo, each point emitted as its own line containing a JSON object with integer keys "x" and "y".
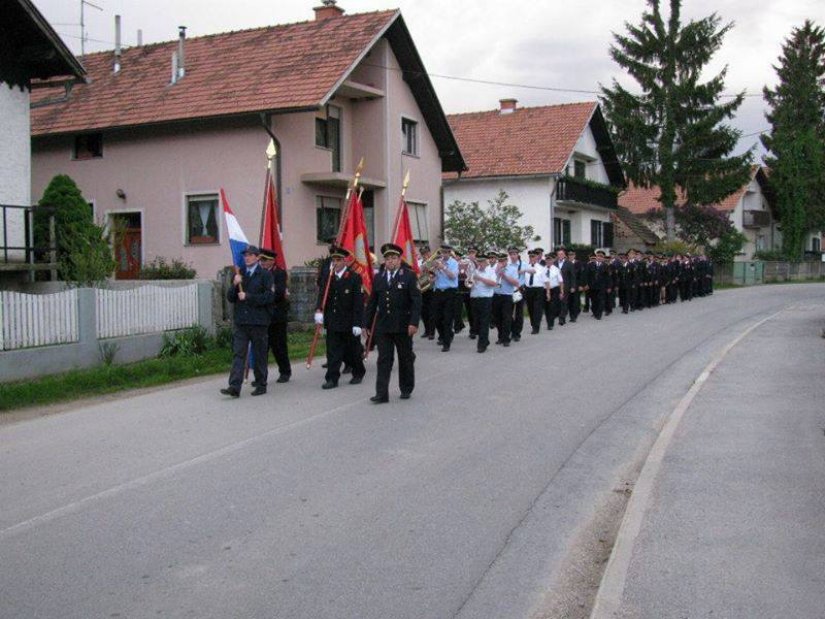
{"x": 161, "y": 128}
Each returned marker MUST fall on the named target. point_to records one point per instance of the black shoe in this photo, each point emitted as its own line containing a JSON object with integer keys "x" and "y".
{"x": 379, "y": 399}
{"x": 260, "y": 390}
{"x": 572, "y": 320}
{"x": 356, "y": 380}
{"x": 505, "y": 344}
{"x": 562, "y": 321}
{"x": 430, "y": 337}
{"x": 231, "y": 392}
{"x": 329, "y": 385}
{"x": 516, "y": 338}
{"x": 254, "y": 383}
{"x": 324, "y": 365}
{"x": 549, "y": 327}
{"x": 283, "y": 378}
{"x": 440, "y": 342}
{"x": 534, "y": 332}
{"x": 405, "y": 396}
{"x": 498, "y": 342}
{"x": 482, "y": 349}
{"x": 473, "y": 336}
{"x": 445, "y": 348}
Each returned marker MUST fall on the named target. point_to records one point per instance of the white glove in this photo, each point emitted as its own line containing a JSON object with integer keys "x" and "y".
{"x": 319, "y": 318}
{"x": 356, "y": 331}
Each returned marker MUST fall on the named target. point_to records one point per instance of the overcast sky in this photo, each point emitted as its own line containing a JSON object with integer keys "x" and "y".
{"x": 532, "y": 50}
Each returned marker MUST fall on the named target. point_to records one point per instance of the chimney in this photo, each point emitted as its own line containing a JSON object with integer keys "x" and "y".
{"x": 117, "y": 44}
{"x": 508, "y": 106}
{"x": 181, "y": 63}
{"x": 328, "y": 10}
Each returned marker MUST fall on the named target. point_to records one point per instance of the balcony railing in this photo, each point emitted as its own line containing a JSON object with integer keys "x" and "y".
{"x": 17, "y": 249}
{"x": 571, "y": 189}
{"x": 756, "y": 219}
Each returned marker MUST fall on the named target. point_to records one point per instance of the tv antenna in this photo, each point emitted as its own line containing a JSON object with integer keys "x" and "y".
{"x": 83, "y": 4}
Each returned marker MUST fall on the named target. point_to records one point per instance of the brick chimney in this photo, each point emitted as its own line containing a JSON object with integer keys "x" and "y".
{"x": 328, "y": 10}
{"x": 508, "y": 106}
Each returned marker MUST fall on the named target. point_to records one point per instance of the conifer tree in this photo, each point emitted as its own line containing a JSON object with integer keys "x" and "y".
{"x": 672, "y": 134}
{"x": 797, "y": 140}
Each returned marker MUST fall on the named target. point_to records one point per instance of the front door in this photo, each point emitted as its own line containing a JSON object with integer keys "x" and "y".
{"x": 127, "y": 245}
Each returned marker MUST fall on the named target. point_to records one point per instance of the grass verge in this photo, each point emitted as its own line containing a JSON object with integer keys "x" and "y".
{"x": 149, "y": 373}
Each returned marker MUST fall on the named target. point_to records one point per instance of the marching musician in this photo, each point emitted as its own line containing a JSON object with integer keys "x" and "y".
{"x": 534, "y": 291}
{"x": 394, "y": 309}
{"x": 507, "y": 278}
{"x": 483, "y": 287}
{"x": 445, "y": 286}
{"x": 343, "y": 319}
{"x": 568, "y": 277}
{"x": 553, "y": 290}
{"x": 426, "y": 293}
{"x": 518, "y": 305}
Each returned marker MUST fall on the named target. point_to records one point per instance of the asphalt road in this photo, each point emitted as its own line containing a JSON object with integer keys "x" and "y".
{"x": 468, "y": 500}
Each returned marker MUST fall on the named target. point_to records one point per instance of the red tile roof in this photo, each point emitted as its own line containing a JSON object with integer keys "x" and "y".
{"x": 640, "y": 201}
{"x": 528, "y": 141}
{"x": 284, "y": 67}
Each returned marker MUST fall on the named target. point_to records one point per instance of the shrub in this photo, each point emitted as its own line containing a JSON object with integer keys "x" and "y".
{"x": 770, "y": 255}
{"x": 161, "y": 268}
{"x": 189, "y": 342}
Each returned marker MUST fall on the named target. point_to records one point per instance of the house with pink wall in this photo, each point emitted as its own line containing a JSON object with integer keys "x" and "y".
{"x": 161, "y": 128}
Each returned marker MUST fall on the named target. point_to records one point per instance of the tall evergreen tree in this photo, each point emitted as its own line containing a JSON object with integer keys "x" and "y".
{"x": 672, "y": 134}
{"x": 797, "y": 139}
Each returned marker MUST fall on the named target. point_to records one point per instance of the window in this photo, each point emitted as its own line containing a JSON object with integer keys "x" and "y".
{"x": 601, "y": 233}
{"x": 409, "y": 136}
{"x": 202, "y": 220}
{"x": 579, "y": 168}
{"x": 88, "y": 146}
{"x": 816, "y": 244}
{"x": 328, "y": 134}
{"x": 327, "y": 218}
{"x": 561, "y": 231}
{"x": 418, "y": 221}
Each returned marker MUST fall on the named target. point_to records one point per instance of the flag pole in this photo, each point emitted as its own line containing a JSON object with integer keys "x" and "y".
{"x": 271, "y": 153}
{"x": 394, "y": 234}
{"x": 352, "y": 187}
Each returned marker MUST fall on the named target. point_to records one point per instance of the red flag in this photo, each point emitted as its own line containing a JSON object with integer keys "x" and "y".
{"x": 270, "y": 226}
{"x": 354, "y": 239}
{"x": 404, "y": 237}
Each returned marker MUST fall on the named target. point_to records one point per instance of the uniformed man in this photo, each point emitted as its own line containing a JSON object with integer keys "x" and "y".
{"x": 568, "y": 275}
{"x": 534, "y": 293}
{"x": 517, "y": 326}
{"x": 252, "y": 294}
{"x": 481, "y": 297}
{"x": 507, "y": 279}
{"x": 553, "y": 291}
{"x": 445, "y": 286}
{"x": 574, "y": 301}
{"x": 427, "y": 317}
{"x": 394, "y": 309}
{"x": 279, "y": 310}
{"x": 598, "y": 280}
{"x": 343, "y": 318}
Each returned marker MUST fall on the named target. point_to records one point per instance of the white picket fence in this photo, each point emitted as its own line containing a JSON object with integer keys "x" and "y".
{"x": 149, "y": 309}
{"x": 28, "y": 320}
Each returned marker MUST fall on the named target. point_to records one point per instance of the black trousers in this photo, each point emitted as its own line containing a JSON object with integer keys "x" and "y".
{"x": 443, "y": 308}
{"x": 597, "y": 302}
{"x": 552, "y": 307}
{"x": 242, "y": 336}
{"x": 574, "y": 304}
{"x": 387, "y": 344}
{"x": 427, "y": 312}
{"x": 534, "y": 299}
{"x": 503, "y": 315}
{"x": 279, "y": 348}
{"x": 344, "y": 347}
{"x": 482, "y": 310}
{"x": 624, "y": 298}
{"x": 518, "y": 318}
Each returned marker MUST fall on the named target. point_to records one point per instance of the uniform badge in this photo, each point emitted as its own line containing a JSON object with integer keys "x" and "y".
{"x": 400, "y": 286}
{"x": 346, "y": 291}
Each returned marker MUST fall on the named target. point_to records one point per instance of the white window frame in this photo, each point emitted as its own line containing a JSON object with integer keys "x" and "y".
{"x": 419, "y": 211}
{"x": 187, "y": 198}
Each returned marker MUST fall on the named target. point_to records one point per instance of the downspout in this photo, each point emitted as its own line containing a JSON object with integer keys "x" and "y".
{"x": 265, "y": 118}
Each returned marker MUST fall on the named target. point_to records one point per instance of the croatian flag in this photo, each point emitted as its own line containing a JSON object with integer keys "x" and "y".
{"x": 237, "y": 239}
